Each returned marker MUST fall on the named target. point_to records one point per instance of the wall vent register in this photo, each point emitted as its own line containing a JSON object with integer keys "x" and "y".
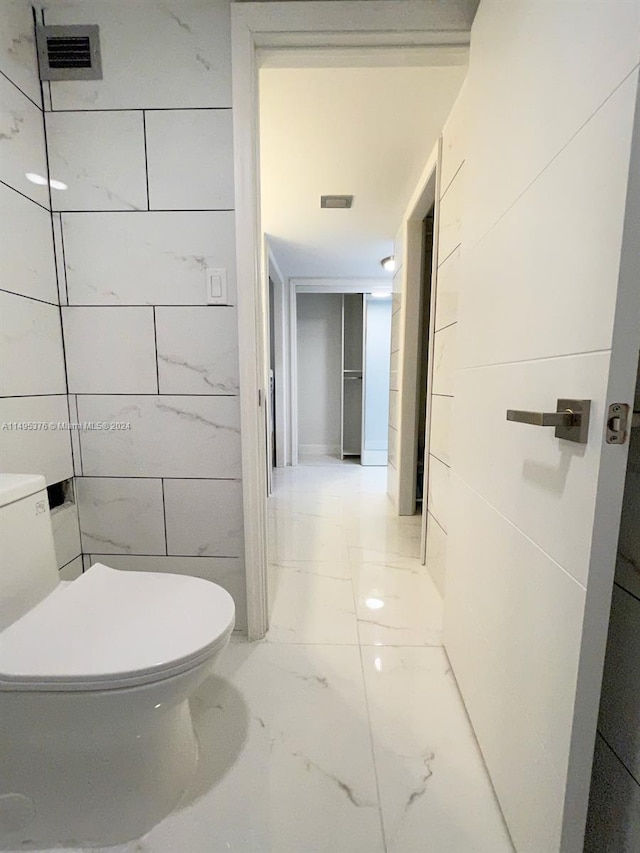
{"x": 70, "y": 52}
{"x": 336, "y": 202}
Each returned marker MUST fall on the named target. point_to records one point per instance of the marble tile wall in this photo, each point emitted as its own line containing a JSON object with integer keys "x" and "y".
{"x": 147, "y": 154}
{"x": 33, "y": 383}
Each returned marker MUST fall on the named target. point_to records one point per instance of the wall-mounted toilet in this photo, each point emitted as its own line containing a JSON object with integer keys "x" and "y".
{"x": 96, "y": 737}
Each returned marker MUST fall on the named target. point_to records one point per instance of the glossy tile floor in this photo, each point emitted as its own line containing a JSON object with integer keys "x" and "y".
{"x": 343, "y": 731}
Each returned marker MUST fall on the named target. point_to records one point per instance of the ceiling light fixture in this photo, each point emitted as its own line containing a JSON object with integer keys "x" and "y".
{"x": 381, "y": 294}
{"x": 374, "y": 603}
{"x": 388, "y": 264}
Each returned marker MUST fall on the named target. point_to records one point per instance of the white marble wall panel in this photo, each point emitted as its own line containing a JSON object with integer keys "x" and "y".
{"x": 66, "y": 533}
{"x": 72, "y": 570}
{"x": 170, "y": 436}
{"x": 228, "y": 572}
{"x": 438, "y": 492}
{"x": 110, "y": 350}
{"x": 507, "y": 155}
{"x": 58, "y": 250}
{"x": 190, "y": 157}
{"x": 155, "y": 259}
{"x": 197, "y": 350}
{"x": 26, "y": 248}
{"x": 18, "y": 58}
{"x": 101, "y": 158}
{"x": 121, "y": 515}
{"x": 440, "y": 431}
{"x": 513, "y": 622}
{"x": 562, "y": 213}
{"x": 613, "y": 824}
{"x": 204, "y": 517}
{"x": 35, "y": 451}
{"x": 619, "y": 706}
{"x": 450, "y": 227}
{"x": 525, "y": 472}
{"x": 31, "y": 354}
{"x": 395, "y": 331}
{"x": 445, "y": 357}
{"x": 436, "y": 556}
{"x": 187, "y": 63}
{"x": 22, "y": 149}
{"x": 448, "y": 288}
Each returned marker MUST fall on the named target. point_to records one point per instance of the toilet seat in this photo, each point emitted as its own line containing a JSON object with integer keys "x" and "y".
{"x": 112, "y": 629}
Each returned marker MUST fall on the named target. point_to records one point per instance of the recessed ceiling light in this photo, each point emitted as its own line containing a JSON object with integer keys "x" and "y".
{"x": 388, "y": 264}
{"x": 336, "y": 202}
{"x": 381, "y": 294}
{"x": 374, "y": 603}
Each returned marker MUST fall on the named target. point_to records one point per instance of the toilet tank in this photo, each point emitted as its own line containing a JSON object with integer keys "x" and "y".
{"x": 28, "y": 567}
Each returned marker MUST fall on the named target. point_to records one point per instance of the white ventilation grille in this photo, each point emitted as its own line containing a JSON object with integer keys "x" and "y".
{"x": 69, "y": 52}
{"x": 337, "y": 202}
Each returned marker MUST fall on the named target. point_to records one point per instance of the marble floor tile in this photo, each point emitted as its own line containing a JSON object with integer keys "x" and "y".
{"x": 396, "y": 607}
{"x": 297, "y": 536}
{"x": 343, "y": 731}
{"x": 310, "y": 608}
{"x": 434, "y": 790}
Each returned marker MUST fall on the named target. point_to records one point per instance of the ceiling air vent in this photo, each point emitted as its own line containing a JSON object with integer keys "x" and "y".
{"x": 339, "y": 202}
{"x": 69, "y": 52}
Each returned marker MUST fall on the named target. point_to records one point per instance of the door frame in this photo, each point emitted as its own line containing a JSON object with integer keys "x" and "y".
{"x": 425, "y": 196}
{"x": 387, "y": 32}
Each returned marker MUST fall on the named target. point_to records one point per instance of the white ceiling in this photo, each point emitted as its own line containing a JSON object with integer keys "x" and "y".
{"x": 365, "y": 132}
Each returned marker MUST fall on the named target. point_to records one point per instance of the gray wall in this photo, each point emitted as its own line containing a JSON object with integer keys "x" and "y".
{"x": 319, "y": 332}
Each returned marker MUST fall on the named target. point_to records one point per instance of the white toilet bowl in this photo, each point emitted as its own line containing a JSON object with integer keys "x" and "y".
{"x": 95, "y": 728}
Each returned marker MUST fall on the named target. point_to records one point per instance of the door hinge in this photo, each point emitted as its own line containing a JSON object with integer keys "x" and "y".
{"x": 620, "y": 419}
{"x": 259, "y": 396}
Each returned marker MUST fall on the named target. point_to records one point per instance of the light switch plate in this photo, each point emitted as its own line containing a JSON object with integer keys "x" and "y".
{"x": 217, "y": 287}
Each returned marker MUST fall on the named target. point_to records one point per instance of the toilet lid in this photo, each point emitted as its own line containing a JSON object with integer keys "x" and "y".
{"x": 112, "y": 628}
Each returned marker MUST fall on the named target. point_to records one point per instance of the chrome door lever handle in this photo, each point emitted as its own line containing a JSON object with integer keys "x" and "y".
{"x": 571, "y": 419}
{"x": 554, "y": 419}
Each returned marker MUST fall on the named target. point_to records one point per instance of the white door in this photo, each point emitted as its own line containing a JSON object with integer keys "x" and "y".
{"x": 549, "y": 309}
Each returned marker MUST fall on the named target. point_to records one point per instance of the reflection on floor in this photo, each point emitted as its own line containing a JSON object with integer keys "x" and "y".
{"x": 343, "y": 731}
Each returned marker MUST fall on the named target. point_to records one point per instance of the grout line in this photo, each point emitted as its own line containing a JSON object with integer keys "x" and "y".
{"x": 156, "y": 476}
{"x": 22, "y": 92}
{"x": 142, "y": 210}
{"x": 444, "y": 191}
{"x": 33, "y": 298}
{"x": 164, "y": 518}
{"x": 429, "y": 513}
{"x": 135, "y": 304}
{"x": 141, "y": 109}
{"x": 64, "y": 260}
{"x": 146, "y": 156}
{"x": 448, "y": 326}
{"x": 441, "y": 461}
{"x": 24, "y": 195}
{"x": 170, "y": 556}
{"x": 64, "y": 566}
{"x": 446, "y": 257}
{"x": 155, "y": 344}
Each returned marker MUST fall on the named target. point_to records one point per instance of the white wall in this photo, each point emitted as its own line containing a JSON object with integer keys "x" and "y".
{"x": 319, "y": 330}
{"x": 551, "y": 94}
{"x": 33, "y": 382}
{"x": 148, "y": 157}
{"x": 376, "y": 380}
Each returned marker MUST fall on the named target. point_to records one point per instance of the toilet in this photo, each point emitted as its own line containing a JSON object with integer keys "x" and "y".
{"x": 96, "y": 737}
